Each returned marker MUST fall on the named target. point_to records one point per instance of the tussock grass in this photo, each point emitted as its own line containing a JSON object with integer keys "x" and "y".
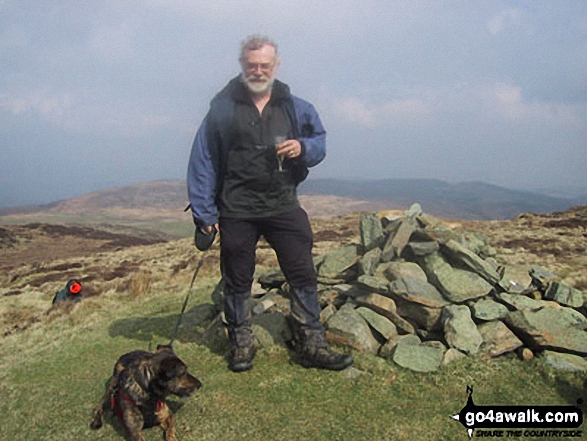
{"x": 53, "y": 374}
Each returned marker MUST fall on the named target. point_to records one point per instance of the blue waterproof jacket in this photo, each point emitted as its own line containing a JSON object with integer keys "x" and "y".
{"x": 207, "y": 164}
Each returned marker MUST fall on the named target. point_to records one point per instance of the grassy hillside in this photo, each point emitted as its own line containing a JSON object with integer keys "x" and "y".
{"x": 54, "y": 365}
{"x": 53, "y": 374}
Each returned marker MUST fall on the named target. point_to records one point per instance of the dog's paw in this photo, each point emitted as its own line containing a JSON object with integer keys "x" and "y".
{"x": 97, "y": 421}
{"x": 95, "y": 424}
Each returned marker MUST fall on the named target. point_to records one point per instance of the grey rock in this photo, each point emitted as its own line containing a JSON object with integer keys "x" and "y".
{"x": 414, "y": 211}
{"x": 419, "y": 358}
{"x": 402, "y": 236}
{"x": 326, "y": 313}
{"x": 347, "y": 327}
{"x": 460, "y": 330}
{"x": 336, "y": 265}
{"x": 428, "y": 221}
{"x": 417, "y": 291}
{"x": 386, "y": 307}
{"x": 270, "y": 329}
{"x": 369, "y": 262}
{"x": 423, "y": 248}
{"x": 215, "y": 337}
{"x": 376, "y": 302}
{"x": 439, "y": 233}
{"x": 388, "y": 251}
{"x": 494, "y": 263}
{"x": 419, "y": 302}
{"x": 391, "y": 223}
{"x": 542, "y": 277}
{"x": 351, "y": 373}
{"x": 487, "y": 310}
{"x": 427, "y": 319}
{"x": 548, "y": 328}
{"x": 515, "y": 279}
{"x": 451, "y": 355}
{"x": 374, "y": 284}
{"x": 381, "y": 324}
{"x": 570, "y": 316}
{"x": 461, "y": 255}
{"x": 371, "y": 232}
{"x": 388, "y": 348}
{"x": 522, "y": 302}
{"x": 400, "y": 270}
{"x": 565, "y": 362}
{"x": 497, "y": 339}
{"x": 264, "y": 303}
{"x": 564, "y": 294}
{"x": 455, "y": 284}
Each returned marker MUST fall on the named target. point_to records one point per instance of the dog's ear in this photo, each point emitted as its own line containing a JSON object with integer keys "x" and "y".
{"x": 165, "y": 348}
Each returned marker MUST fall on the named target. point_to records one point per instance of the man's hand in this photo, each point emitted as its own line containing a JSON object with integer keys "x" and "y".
{"x": 208, "y": 229}
{"x": 289, "y": 148}
{"x": 204, "y": 237}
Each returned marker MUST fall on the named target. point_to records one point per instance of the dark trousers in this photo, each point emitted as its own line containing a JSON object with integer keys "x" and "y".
{"x": 290, "y": 236}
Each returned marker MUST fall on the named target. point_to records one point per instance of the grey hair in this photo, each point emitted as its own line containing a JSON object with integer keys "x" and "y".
{"x": 254, "y": 42}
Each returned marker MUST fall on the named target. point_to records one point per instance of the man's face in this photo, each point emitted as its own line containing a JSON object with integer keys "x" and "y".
{"x": 259, "y": 67}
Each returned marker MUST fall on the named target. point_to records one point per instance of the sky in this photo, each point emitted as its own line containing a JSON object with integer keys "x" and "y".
{"x": 102, "y": 93}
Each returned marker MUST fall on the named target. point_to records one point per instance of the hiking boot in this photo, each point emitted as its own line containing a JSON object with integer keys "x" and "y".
{"x": 315, "y": 353}
{"x": 241, "y": 358}
{"x": 242, "y": 351}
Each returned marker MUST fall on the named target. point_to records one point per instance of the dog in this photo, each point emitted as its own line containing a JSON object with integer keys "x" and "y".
{"x": 138, "y": 388}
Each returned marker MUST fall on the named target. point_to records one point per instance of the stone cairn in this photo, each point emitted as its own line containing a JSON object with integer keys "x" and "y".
{"x": 419, "y": 294}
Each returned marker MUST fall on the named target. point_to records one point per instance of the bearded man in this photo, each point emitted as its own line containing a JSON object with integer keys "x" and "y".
{"x": 251, "y": 151}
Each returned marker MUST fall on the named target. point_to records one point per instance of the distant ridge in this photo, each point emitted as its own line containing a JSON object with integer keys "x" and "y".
{"x": 465, "y": 200}
{"x": 163, "y": 197}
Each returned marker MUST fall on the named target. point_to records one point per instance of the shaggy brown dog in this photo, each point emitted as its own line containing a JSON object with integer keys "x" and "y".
{"x": 140, "y": 383}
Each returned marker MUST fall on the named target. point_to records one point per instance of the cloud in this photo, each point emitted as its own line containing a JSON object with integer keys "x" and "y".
{"x": 508, "y": 18}
{"x": 371, "y": 115}
{"x": 52, "y": 107}
{"x": 508, "y": 103}
{"x": 500, "y": 102}
{"x": 79, "y": 114}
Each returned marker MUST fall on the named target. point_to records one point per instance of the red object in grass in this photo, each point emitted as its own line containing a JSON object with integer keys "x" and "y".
{"x": 75, "y": 288}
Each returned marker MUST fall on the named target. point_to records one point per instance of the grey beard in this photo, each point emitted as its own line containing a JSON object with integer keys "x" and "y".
{"x": 258, "y": 89}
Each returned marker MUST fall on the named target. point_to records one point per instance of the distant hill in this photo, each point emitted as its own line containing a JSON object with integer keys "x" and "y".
{"x": 466, "y": 200}
{"x": 148, "y": 199}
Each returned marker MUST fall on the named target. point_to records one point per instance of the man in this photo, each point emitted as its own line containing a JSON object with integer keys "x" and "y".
{"x": 251, "y": 151}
